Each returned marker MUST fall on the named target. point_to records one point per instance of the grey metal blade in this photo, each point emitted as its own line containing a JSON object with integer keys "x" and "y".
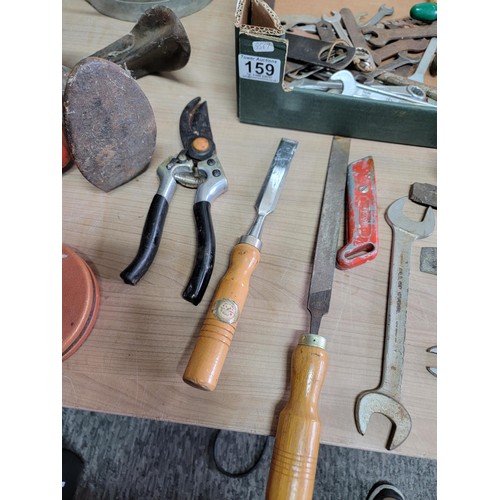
{"x": 332, "y": 211}
{"x": 273, "y": 184}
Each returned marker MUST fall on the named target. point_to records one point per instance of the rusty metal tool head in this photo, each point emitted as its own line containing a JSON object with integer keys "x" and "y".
{"x": 424, "y": 194}
{"x": 385, "y": 399}
{"x": 158, "y": 42}
{"x": 109, "y": 122}
{"x": 195, "y": 166}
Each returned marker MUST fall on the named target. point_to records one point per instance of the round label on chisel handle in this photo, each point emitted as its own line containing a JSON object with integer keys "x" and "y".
{"x": 226, "y": 310}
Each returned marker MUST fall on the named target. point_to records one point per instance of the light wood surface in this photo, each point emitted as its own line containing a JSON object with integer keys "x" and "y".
{"x": 133, "y": 361}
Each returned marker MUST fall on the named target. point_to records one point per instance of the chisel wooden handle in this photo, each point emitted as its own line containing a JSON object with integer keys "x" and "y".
{"x": 295, "y": 454}
{"x": 221, "y": 320}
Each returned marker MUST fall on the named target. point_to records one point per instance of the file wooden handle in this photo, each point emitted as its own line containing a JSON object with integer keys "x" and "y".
{"x": 295, "y": 454}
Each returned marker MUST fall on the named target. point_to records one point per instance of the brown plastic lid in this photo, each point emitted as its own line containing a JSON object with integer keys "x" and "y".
{"x": 80, "y": 301}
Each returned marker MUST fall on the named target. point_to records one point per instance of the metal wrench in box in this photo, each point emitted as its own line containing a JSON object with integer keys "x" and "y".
{"x": 336, "y": 86}
{"x": 352, "y": 88}
{"x": 343, "y": 82}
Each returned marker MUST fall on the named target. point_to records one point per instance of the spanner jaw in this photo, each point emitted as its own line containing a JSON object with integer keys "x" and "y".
{"x": 419, "y": 229}
{"x": 371, "y": 402}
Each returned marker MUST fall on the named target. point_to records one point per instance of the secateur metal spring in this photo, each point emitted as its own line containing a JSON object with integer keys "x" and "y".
{"x": 189, "y": 179}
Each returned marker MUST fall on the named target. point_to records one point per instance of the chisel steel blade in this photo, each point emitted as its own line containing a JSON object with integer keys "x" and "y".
{"x": 273, "y": 184}
{"x": 332, "y": 211}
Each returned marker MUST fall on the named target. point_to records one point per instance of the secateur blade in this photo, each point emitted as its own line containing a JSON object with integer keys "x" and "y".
{"x": 194, "y": 123}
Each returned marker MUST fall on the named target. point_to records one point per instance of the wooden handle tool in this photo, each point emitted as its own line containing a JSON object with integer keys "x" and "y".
{"x": 295, "y": 453}
{"x": 224, "y": 312}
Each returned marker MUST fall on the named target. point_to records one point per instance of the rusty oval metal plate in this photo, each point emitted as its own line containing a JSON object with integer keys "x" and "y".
{"x": 109, "y": 121}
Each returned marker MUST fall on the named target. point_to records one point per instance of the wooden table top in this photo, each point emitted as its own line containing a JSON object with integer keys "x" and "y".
{"x": 132, "y": 362}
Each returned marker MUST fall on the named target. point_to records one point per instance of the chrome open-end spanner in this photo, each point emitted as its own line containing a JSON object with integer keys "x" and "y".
{"x": 351, "y": 87}
{"x": 425, "y": 62}
{"x": 335, "y": 19}
{"x": 385, "y": 399}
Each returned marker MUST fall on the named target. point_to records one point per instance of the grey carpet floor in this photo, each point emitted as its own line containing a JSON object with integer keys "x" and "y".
{"x": 139, "y": 459}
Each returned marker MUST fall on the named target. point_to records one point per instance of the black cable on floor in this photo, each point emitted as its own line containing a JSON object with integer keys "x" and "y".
{"x": 221, "y": 469}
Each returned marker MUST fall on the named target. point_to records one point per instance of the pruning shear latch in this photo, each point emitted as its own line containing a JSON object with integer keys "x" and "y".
{"x": 196, "y": 167}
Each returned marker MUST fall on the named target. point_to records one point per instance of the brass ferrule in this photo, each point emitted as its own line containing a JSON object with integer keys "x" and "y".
{"x": 313, "y": 341}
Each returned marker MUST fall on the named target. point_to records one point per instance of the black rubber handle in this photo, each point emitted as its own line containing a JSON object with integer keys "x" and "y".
{"x": 150, "y": 241}
{"x": 205, "y": 254}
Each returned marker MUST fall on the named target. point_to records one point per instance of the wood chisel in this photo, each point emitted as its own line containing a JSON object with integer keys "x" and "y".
{"x": 295, "y": 454}
{"x": 224, "y": 312}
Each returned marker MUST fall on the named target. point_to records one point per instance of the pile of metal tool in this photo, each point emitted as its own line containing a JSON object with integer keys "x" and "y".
{"x": 385, "y": 60}
{"x": 337, "y": 54}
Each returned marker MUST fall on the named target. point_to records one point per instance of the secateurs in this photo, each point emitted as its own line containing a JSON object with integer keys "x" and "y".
{"x": 196, "y": 167}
